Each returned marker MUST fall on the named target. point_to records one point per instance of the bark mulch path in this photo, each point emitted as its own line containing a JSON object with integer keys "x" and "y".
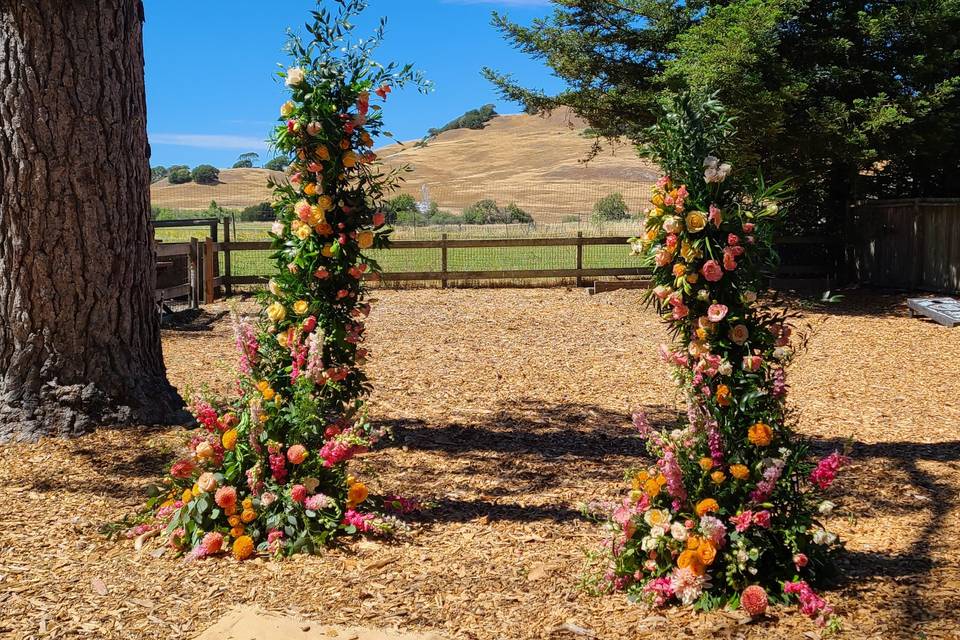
{"x": 510, "y": 407}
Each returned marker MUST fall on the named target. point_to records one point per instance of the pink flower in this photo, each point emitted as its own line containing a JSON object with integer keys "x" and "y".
{"x": 659, "y": 591}
{"x": 762, "y": 519}
{"x": 182, "y": 469}
{"x": 754, "y": 600}
{"x": 207, "y": 482}
{"x": 733, "y": 240}
{"x": 298, "y": 493}
{"x": 811, "y": 604}
{"x": 379, "y": 219}
{"x": 826, "y": 471}
{"x": 739, "y": 333}
{"x": 317, "y": 502}
{"x": 362, "y": 521}
{"x": 680, "y": 311}
{"x": 663, "y": 181}
{"x": 742, "y": 521}
{"x": 662, "y": 292}
{"x": 748, "y": 227}
{"x": 799, "y": 560}
{"x": 321, "y": 274}
{"x": 226, "y": 497}
{"x": 752, "y": 363}
{"x": 383, "y": 91}
{"x": 717, "y": 312}
{"x": 212, "y": 543}
{"x": 303, "y": 210}
{"x": 309, "y": 324}
{"x": 711, "y": 271}
{"x": 268, "y": 498}
{"x": 715, "y": 215}
{"x": 662, "y": 258}
{"x": 671, "y": 241}
{"x": 729, "y": 260}
{"x": 297, "y": 454}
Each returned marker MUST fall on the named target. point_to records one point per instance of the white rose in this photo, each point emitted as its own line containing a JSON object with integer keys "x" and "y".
{"x": 678, "y": 531}
{"x": 648, "y": 544}
{"x": 821, "y": 536}
{"x": 295, "y": 76}
{"x": 657, "y": 532}
{"x": 725, "y": 368}
{"x": 277, "y": 228}
{"x": 826, "y": 507}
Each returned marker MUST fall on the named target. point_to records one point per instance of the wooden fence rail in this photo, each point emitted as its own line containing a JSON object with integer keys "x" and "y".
{"x": 205, "y": 260}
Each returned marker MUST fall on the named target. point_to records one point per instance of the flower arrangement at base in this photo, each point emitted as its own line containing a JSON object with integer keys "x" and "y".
{"x": 728, "y": 513}
{"x": 267, "y": 471}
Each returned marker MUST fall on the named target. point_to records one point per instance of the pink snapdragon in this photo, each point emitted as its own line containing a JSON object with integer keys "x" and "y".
{"x": 362, "y": 521}
{"x": 671, "y": 470}
{"x": 826, "y": 471}
{"x": 811, "y": 604}
{"x": 659, "y": 591}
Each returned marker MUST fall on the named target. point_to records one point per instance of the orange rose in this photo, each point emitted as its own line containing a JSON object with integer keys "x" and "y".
{"x": 707, "y": 552}
{"x": 718, "y": 477}
{"x": 706, "y": 464}
{"x": 723, "y": 395}
{"x": 760, "y": 434}
{"x": 705, "y": 506}
{"x": 652, "y": 487}
{"x": 693, "y": 542}
{"x": 237, "y": 531}
{"x": 233, "y": 520}
{"x": 739, "y": 471}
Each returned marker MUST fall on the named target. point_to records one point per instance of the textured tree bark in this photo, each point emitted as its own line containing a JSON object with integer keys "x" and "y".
{"x": 79, "y": 335}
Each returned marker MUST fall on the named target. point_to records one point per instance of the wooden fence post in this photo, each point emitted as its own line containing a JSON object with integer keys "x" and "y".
{"x": 227, "y": 286}
{"x": 916, "y": 279}
{"x": 579, "y": 258}
{"x": 193, "y": 273}
{"x": 443, "y": 261}
{"x": 208, "y": 258}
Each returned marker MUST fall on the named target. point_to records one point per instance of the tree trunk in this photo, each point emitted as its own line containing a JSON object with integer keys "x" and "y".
{"x": 79, "y": 335}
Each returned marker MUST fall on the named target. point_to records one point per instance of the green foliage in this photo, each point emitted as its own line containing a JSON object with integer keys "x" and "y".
{"x": 609, "y": 208}
{"x": 179, "y": 174}
{"x": 518, "y": 215}
{"x": 851, "y": 99}
{"x": 488, "y": 212}
{"x": 258, "y": 212}
{"x": 158, "y": 173}
{"x": 473, "y": 119}
{"x": 206, "y": 174}
{"x": 280, "y": 163}
{"x": 246, "y": 160}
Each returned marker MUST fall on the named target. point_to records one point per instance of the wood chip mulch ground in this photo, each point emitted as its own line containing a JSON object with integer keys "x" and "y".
{"x": 509, "y": 408}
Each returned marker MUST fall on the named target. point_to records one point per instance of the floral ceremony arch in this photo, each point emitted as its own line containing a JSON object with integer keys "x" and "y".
{"x": 268, "y": 470}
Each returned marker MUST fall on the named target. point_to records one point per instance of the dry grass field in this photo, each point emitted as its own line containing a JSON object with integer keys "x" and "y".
{"x": 533, "y": 161}
{"x": 509, "y": 408}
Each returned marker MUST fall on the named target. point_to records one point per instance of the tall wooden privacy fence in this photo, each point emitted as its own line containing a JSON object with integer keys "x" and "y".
{"x": 577, "y": 260}
{"x": 910, "y": 244}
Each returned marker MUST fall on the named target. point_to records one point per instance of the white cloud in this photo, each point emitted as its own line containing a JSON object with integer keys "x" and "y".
{"x": 208, "y": 141}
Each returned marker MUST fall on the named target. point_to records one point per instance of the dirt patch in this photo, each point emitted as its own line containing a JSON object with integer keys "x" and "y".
{"x": 244, "y": 623}
{"x": 510, "y": 408}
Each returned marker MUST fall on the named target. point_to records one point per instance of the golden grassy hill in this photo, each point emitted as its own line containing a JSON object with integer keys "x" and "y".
{"x": 533, "y": 161}
{"x": 238, "y": 188}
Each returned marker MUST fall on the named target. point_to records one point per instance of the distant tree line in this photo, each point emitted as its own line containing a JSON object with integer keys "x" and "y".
{"x": 473, "y": 119}
{"x": 208, "y": 174}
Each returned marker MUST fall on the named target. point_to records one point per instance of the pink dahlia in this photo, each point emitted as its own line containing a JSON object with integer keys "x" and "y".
{"x": 212, "y": 543}
{"x": 297, "y": 454}
{"x": 754, "y": 600}
{"x": 226, "y": 497}
{"x": 298, "y": 493}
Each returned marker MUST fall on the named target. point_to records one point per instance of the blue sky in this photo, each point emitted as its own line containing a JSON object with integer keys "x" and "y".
{"x": 212, "y": 93}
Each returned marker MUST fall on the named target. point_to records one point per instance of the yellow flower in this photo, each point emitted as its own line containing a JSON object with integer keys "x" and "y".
{"x": 303, "y": 231}
{"x": 229, "y": 439}
{"x": 365, "y": 239}
{"x": 679, "y": 269}
{"x": 276, "y": 312}
{"x": 349, "y": 159}
{"x": 187, "y": 495}
{"x": 233, "y": 521}
{"x": 243, "y": 547}
{"x": 248, "y": 515}
{"x": 317, "y": 215}
{"x": 739, "y": 471}
{"x": 760, "y": 434}
{"x": 657, "y": 200}
{"x": 656, "y": 517}
{"x": 691, "y": 560}
{"x": 268, "y": 394}
{"x": 706, "y": 464}
{"x": 639, "y": 479}
{"x": 300, "y": 307}
{"x": 310, "y": 189}
{"x": 688, "y": 252}
{"x": 283, "y": 339}
{"x": 247, "y": 503}
{"x": 696, "y": 221}
{"x": 718, "y": 477}
{"x": 323, "y": 153}
{"x": 325, "y": 203}
{"x": 274, "y": 287}
{"x": 286, "y": 109}
{"x": 357, "y": 493}
{"x": 327, "y": 250}
{"x": 652, "y": 487}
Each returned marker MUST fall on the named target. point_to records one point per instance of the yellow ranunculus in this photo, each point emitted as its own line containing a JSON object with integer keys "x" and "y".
{"x": 283, "y": 339}
{"x": 365, "y": 239}
{"x": 357, "y": 493}
{"x": 696, "y": 221}
{"x": 276, "y": 312}
{"x": 286, "y": 109}
{"x": 327, "y": 250}
{"x": 325, "y": 203}
{"x": 269, "y": 393}
{"x": 300, "y": 307}
{"x": 706, "y": 463}
{"x": 310, "y": 189}
{"x": 303, "y": 231}
{"x": 718, "y": 477}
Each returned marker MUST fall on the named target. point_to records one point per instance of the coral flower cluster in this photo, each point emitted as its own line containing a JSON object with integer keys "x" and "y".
{"x": 266, "y": 471}
{"x": 727, "y": 513}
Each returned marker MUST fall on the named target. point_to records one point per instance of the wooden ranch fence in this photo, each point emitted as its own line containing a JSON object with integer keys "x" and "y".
{"x": 205, "y": 256}
{"x": 905, "y": 244}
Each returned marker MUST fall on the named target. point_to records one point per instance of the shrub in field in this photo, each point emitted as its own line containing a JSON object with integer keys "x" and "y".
{"x": 267, "y": 472}
{"x": 179, "y": 174}
{"x": 258, "y": 212}
{"x": 280, "y": 163}
{"x": 482, "y": 212}
{"x": 473, "y": 119}
{"x": 206, "y": 174}
{"x": 516, "y": 214}
{"x": 729, "y": 511}
{"x": 610, "y": 208}
{"x": 158, "y": 173}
